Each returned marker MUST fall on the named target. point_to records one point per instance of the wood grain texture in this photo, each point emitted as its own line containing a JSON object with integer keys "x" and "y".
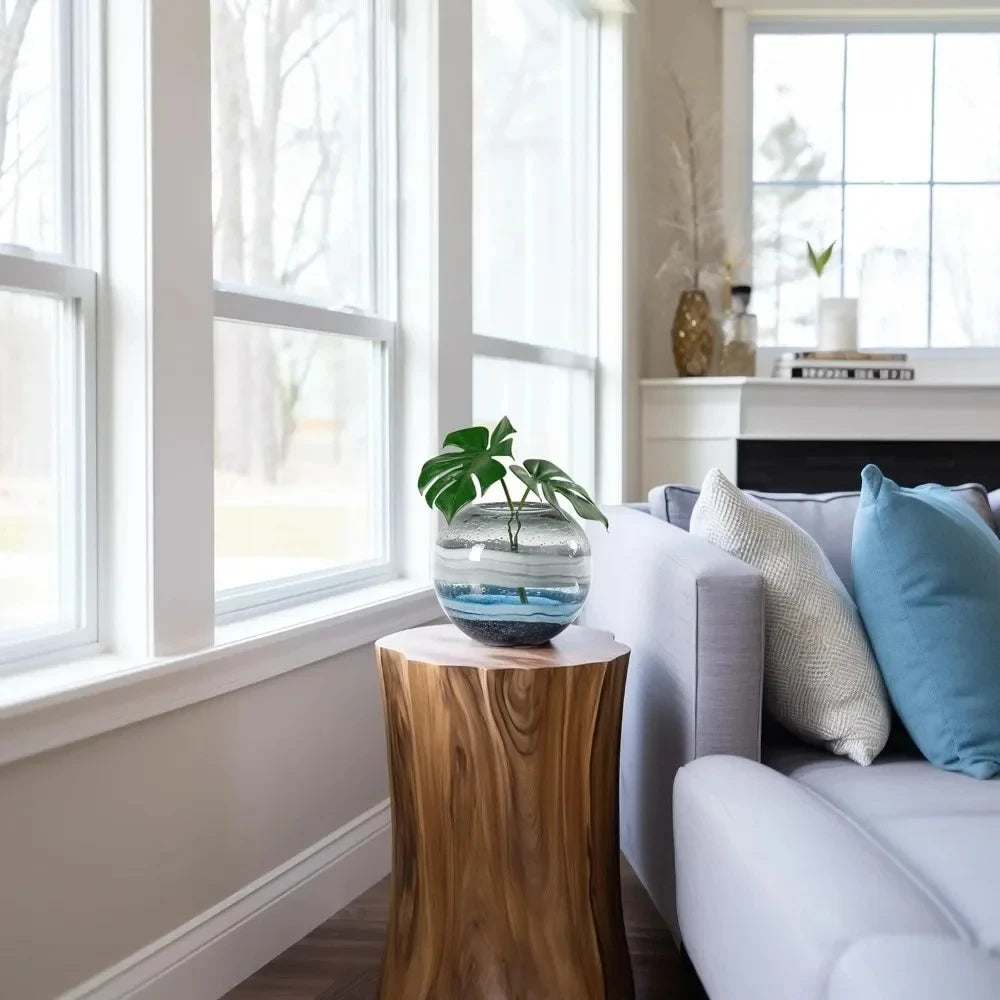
{"x": 504, "y": 778}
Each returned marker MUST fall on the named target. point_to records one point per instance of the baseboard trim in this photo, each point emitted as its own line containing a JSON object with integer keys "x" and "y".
{"x": 217, "y": 950}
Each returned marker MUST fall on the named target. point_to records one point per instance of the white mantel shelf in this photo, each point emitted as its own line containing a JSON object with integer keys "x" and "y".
{"x": 692, "y": 424}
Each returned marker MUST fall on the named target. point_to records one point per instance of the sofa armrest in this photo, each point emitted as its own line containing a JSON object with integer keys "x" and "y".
{"x": 693, "y": 617}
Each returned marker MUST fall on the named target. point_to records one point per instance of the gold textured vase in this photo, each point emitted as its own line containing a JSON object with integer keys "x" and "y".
{"x": 693, "y": 334}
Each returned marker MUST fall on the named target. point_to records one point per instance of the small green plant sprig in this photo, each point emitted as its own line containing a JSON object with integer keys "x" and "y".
{"x": 475, "y": 455}
{"x": 819, "y": 261}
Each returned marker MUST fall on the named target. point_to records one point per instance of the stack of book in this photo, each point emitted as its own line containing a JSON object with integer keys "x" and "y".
{"x": 837, "y": 365}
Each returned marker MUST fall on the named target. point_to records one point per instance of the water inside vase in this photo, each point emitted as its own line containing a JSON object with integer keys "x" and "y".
{"x": 511, "y": 616}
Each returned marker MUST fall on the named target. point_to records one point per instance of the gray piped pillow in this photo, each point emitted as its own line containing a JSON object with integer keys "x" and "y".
{"x": 827, "y": 517}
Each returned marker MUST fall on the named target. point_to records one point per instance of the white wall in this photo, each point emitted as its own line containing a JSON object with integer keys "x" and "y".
{"x": 110, "y": 843}
{"x": 683, "y": 36}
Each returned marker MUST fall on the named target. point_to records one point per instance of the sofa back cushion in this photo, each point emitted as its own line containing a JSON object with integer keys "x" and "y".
{"x": 927, "y": 581}
{"x": 827, "y": 517}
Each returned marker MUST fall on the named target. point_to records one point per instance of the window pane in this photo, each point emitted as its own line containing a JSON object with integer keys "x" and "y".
{"x": 885, "y": 263}
{"x": 798, "y": 95}
{"x": 38, "y": 496}
{"x": 297, "y": 455}
{"x": 889, "y": 107}
{"x": 967, "y": 113}
{"x": 552, "y": 409}
{"x": 29, "y": 174}
{"x": 292, "y": 147}
{"x": 534, "y": 240}
{"x": 966, "y": 300}
{"x": 785, "y": 288}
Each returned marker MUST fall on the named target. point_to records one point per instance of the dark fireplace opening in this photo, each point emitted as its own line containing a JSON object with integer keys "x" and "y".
{"x": 834, "y": 466}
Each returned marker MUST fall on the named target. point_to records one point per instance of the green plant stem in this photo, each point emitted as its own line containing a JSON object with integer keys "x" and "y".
{"x": 513, "y": 516}
{"x": 512, "y": 533}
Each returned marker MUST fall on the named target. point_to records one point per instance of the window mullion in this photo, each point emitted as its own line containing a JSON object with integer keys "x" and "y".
{"x": 930, "y": 197}
{"x": 159, "y": 235}
{"x": 434, "y": 362}
{"x": 843, "y": 170}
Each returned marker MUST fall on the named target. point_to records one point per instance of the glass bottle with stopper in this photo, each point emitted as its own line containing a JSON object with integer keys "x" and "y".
{"x": 739, "y": 336}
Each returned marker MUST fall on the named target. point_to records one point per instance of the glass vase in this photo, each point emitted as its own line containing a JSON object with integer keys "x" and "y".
{"x": 693, "y": 334}
{"x": 512, "y": 581}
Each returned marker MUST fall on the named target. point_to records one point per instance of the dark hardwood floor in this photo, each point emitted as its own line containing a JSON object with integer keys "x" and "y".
{"x": 340, "y": 959}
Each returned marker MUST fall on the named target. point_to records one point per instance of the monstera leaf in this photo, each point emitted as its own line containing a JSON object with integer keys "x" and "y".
{"x": 548, "y": 482}
{"x": 448, "y": 481}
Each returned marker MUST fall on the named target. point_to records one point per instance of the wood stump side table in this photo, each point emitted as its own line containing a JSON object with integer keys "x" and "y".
{"x": 504, "y": 775}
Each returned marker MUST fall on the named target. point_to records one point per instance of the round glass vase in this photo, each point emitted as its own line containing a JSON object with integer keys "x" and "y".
{"x": 512, "y": 581}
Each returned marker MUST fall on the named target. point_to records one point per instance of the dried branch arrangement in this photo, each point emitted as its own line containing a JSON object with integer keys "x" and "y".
{"x": 696, "y": 220}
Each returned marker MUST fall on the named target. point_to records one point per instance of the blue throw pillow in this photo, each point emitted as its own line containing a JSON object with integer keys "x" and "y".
{"x": 927, "y": 584}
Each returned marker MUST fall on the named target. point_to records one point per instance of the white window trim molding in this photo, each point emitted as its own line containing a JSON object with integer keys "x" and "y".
{"x": 62, "y": 703}
{"x": 284, "y": 311}
{"x": 535, "y": 354}
{"x": 158, "y": 367}
{"x": 739, "y": 18}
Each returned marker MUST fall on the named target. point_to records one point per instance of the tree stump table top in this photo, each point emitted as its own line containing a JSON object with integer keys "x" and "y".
{"x": 504, "y": 777}
{"x": 446, "y": 646}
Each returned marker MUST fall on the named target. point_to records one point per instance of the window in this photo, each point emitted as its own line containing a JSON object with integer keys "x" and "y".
{"x": 47, "y": 331}
{"x": 214, "y": 427}
{"x": 535, "y": 226}
{"x": 889, "y": 143}
{"x": 302, "y": 185}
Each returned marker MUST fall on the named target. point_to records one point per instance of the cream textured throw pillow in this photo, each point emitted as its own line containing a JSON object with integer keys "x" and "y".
{"x": 821, "y": 680}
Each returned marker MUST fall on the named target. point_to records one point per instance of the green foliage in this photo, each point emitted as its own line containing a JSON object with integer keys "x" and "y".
{"x": 448, "y": 481}
{"x": 471, "y": 463}
{"x": 548, "y": 482}
{"x": 818, "y": 262}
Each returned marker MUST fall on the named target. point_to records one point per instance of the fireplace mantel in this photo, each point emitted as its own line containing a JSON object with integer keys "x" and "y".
{"x": 815, "y": 436}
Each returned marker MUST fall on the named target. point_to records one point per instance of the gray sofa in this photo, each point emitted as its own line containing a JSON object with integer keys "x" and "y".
{"x": 798, "y": 874}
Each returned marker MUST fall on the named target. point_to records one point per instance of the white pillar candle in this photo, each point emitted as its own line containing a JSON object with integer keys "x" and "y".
{"x": 838, "y": 325}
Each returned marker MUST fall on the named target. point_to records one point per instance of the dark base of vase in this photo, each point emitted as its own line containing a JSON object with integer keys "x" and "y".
{"x": 498, "y": 633}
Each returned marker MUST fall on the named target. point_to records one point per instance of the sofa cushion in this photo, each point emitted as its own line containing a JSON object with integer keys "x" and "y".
{"x": 774, "y": 885}
{"x": 939, "y": 827}
{"x": 828, "y": 517}
{"x": 914, "y": 967}
{"x": 821, "y": 680}
{"x": 927, "y": 580}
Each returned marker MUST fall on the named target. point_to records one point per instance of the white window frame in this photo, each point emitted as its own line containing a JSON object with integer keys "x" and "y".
{"x": 742, "y": 20}
{"x": 489, "y": 345}
{"x": 611, "y": 363}
{"x": 75, "y": 286}
{"x": 275, "y": 307}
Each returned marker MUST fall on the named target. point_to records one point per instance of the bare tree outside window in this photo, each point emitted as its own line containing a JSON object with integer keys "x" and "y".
{"x": 292, "y": 112}
{"x": 534, "y": 237}
{"x": 29, "y": 324}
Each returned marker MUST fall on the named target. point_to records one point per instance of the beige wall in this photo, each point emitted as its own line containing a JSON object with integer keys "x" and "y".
{"x": 683, "y": 36}
{"x": 110, "y": 843}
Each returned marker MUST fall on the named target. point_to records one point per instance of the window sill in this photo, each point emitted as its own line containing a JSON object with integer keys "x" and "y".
{"x": 57, "y": 705}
